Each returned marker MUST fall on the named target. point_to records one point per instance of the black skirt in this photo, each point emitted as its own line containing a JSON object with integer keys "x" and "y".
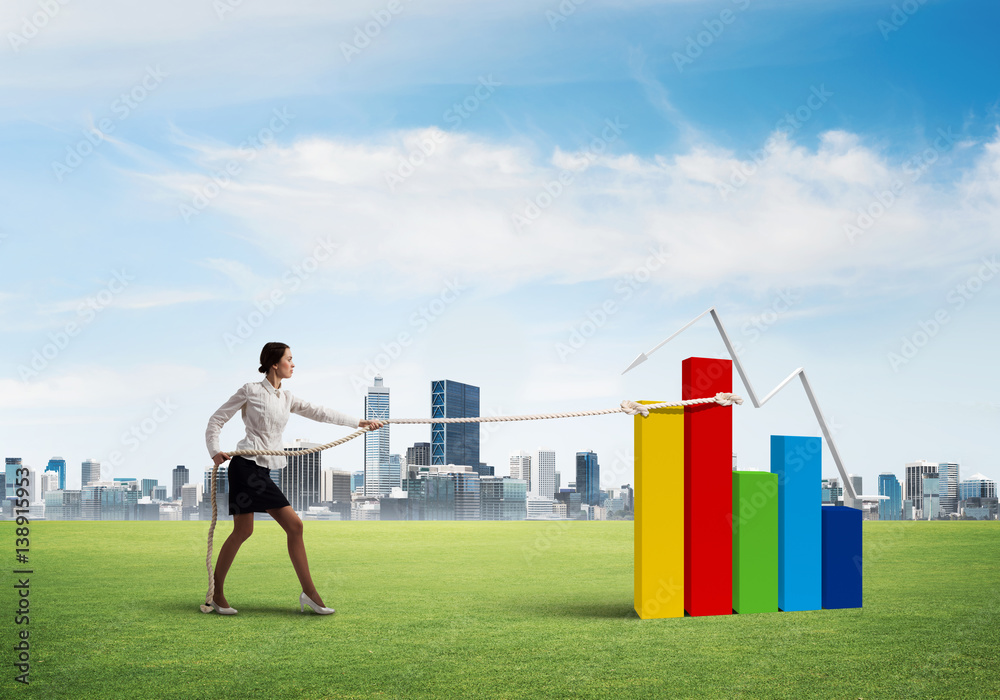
{"x": 251, "y": 489}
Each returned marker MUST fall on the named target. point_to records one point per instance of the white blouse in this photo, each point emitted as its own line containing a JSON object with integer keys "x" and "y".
{"x": 265, "y": 413}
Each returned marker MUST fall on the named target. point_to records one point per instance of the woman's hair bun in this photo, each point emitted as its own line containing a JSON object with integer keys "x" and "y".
{"x": 271, "y": 355}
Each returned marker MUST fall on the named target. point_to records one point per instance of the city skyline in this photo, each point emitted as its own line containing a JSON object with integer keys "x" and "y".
{"x": 522, "y": 221}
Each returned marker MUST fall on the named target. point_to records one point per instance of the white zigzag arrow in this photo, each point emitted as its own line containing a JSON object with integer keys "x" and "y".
{"x": 800, "y": 372}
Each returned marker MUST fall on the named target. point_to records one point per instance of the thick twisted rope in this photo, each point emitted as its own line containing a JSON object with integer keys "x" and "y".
{"x": 628, "y": 407}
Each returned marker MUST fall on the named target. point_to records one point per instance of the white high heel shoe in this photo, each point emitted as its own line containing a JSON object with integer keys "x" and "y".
{"x": 223, "y": 611}
{"x": 305, "y": 600}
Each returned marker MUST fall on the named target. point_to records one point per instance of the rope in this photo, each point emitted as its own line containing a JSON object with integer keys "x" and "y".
{"x": 628, "y": 407}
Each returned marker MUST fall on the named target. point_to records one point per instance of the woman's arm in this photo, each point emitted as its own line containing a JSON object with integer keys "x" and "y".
{"x": 322, "y": 414}
{"x": 219, "y": 418}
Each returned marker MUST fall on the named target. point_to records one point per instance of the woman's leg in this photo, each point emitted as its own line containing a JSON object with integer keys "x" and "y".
{"x": 242, "y": 529}
{"x": 292, "y": 524}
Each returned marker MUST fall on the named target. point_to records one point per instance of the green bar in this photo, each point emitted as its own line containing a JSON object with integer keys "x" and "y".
{"x": 755, "y": 542}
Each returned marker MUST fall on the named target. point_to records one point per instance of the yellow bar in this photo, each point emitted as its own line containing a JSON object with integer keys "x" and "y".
{"x": 659, "y": 513}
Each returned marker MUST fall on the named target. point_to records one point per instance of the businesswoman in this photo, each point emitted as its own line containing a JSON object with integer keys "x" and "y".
{"x": 265, "y": 407}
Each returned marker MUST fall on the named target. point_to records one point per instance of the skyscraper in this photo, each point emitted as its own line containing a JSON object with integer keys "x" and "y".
{"x": 913, "y": 482}
{"x": 977, "y": 486}
{"x": 520, "y": 468}
{"x": 181, "y": 476}
{"x": 588, "y": 478}
{"x": 454, "y": 443}
{"x": 948, "y": 484}
{"x": 856, "y": 483}
{"x": 12, "y": 464}
{"x": 545, "y": 472}
{"x": 301, "y": 479}
{"x": 419, "y": 455}
{"x": 58, "y": 465}
{"x": 91, "y": 471}
{"x": 502, "y": 498}
{"x": 395, "y": 473}
{"x": 888, "y": 485}
{"x": 931, "y": 496}
{"x": 377, "y": 477}
{"x": 149, "y": 484}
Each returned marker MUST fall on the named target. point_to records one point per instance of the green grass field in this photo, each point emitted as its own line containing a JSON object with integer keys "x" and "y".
{"x": 482, "y": 610}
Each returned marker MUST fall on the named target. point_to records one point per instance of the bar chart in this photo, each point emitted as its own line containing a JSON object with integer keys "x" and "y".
{"x": 713, "y": 541}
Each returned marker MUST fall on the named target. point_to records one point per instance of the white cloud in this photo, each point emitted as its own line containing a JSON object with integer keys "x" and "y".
{"x": 785, "y": 221}
{"x": 96, "y": 387}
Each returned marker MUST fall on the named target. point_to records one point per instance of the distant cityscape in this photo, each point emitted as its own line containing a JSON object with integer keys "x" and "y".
{"x": 443, "y": 479}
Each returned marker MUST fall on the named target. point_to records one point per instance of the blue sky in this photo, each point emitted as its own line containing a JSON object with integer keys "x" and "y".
{"x": 826, "y": 174}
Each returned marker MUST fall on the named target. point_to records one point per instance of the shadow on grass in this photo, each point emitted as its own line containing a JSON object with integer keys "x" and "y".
{"x": 602, "y": 609}
{"x": 248, "y": 611}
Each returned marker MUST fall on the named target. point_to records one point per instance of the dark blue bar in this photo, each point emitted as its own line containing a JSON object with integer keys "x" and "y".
{"x": 841, "y": 557}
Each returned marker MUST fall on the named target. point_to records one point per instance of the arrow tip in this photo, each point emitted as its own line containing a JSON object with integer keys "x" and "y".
{"x": 636, "y": 362}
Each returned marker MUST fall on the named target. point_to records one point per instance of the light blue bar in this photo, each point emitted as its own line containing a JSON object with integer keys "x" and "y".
{"x": 797, "y": 462}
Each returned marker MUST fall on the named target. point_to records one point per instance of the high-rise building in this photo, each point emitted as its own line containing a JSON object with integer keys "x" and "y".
{"x": 856, "y": 483}
{"x": 502, "y": 498}
{"x": 12, "y": 464}
{"x": 358, "y": 482}
{"x": 336, "y": 486}
{"x": 397, "y": 465}
{"x": 49, "y": 482}
{"x": 977, "y": 486}
{"x": 180, "y": 477}
{"x": 545, "y": 472}
{"x": 58, "y": 465}
{"x": 454, "y": 443}
{"x": 913, "y": 481}
{"x": 572, "y": 501}
{"x": 147, "y": 486}
{"x": 466, "y": 495}
{"x": 588, "y": 478}
{"x": 948, "y": 483}
{"x": 221, "y": 483}
{"x": 930, "y": 495}
{"x": 888, "y": 485}
{"x": 63, "y": 504}
{"x": 418, "y": 456}
{"x": 520, "y": 468}
{"x": 377, "y": 478}
{"x": 160, "y": 492}
{"x": 191, "y": 495}
{"x": 90, "y": 472}
{"x": 300, "y": 479}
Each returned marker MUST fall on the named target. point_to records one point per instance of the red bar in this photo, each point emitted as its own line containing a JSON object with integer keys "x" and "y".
{"x": 708, "y": 488}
